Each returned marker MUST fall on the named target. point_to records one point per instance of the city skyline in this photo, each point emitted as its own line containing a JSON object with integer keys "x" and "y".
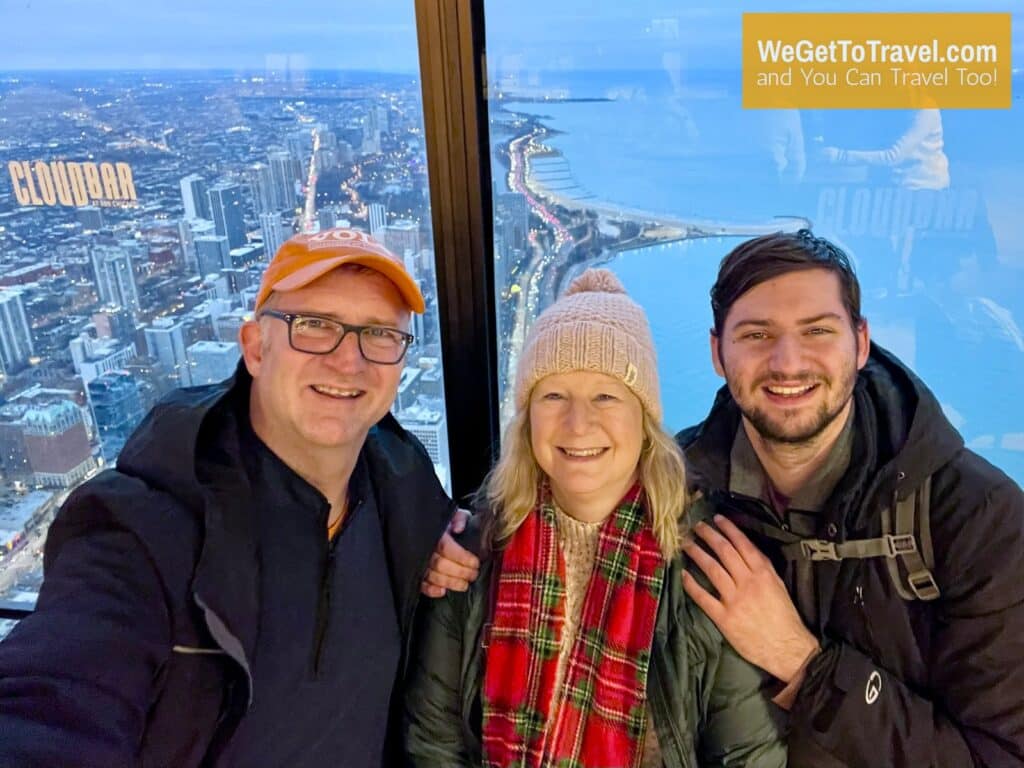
{"x": 107, "y": 306}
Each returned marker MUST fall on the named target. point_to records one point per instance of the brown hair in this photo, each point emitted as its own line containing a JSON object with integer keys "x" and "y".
{"x": 753, "y": 262}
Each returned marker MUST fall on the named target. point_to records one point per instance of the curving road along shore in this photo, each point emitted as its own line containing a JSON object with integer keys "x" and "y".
{"x": 537, "y": 282}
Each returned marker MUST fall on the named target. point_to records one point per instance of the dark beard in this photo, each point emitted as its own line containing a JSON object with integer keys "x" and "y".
{"x": 769, "y": 433}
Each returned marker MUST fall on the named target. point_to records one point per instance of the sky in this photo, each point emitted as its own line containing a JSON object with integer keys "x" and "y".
{"x": 380, "y": 35}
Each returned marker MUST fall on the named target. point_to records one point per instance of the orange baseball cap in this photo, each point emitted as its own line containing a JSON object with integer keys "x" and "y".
{"x": 304, "y": 258}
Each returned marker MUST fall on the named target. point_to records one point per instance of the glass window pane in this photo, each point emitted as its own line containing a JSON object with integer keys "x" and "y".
{"x": 153, "y": 159}
{"x": 619, "y": 139}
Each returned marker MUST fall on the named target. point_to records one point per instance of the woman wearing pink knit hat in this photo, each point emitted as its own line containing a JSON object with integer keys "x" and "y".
{"x": 577, "y": 645}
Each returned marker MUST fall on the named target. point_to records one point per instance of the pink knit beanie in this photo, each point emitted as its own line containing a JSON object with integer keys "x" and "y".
{"x": 593, "y": 326}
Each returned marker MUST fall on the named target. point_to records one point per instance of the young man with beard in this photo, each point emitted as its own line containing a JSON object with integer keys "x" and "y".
{"x": 890, "y": 650}
{"x": 240, "y": 590}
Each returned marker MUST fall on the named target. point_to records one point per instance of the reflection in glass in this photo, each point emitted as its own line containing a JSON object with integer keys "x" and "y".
{"x": 619, "y": 138}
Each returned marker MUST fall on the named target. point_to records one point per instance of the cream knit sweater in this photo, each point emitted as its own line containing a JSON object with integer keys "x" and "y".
{"x": 579, "y": 549}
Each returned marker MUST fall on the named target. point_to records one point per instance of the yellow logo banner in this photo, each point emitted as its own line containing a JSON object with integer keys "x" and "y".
{"x": 876, "y": 61}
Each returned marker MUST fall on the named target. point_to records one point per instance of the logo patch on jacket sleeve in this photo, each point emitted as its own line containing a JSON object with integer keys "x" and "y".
{"x": 873, "y": 688}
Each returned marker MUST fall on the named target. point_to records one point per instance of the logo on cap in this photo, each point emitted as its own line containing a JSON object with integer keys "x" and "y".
{"x": 330, "y": 238}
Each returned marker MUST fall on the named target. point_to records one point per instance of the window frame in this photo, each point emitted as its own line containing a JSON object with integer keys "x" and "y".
{"x": 453, "y": 79}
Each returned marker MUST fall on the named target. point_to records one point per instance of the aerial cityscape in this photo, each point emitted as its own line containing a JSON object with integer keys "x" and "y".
{"x": 137, "y": 214}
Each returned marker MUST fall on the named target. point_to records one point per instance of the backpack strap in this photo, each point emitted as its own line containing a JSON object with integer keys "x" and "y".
{"x": 898, "y": 542}
{"x": 918, "y": 562}
{"x": 889, "y": 546}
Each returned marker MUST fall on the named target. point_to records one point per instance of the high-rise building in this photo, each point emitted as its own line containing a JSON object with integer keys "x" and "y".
{"x": 264, "y": 192}
{"x": 244, "y": 256}
{"x": 188, "y": 231}
{"x": 226, "y": 212}
{"x": 344, "y": 151}
{"x": 376, "y": 121}
{"x": 226, "y": 327}
{"x": 193, "y": 195}
{"x": 418, "y": 324}
{"x": 114, "y": 323}
{"x": 371, "y": 143}
{"x": 248, "y": 297}
{"x": 115, "y": 276}
{"x": 273, "y": 233}
{"x": 94, "y": 357}
{"x": 382, "y": 119}
{"x": 327, "y": 148}
{"x": 430, "y": 427}
{"x": 284, "y": 171}
{"x": 212, "y": 254}
{"x": 511, "y": 209}
{"x": 198, "y": 324}
{"x": 15, "y": 334}
{"x": 116, "y": 410}
{"x": 13, "y": 458}
{"x": 327, "y": 217}
{"x": 326, "y": 159}
{"x": 327, "y": 138}
{"x": 212, "y": 361}
{"x": 91, "y": 217}
{"x": 408, "y": 389}
{"x": 431, "y": 382}
{"x": 402, "y": 236}
{"x": 300, "y": 146}
{"x": 165, "y": 341}
{"x": 378, "y": 220}
{"x": 237, "y": 278}
{"x": 57, "y": 444}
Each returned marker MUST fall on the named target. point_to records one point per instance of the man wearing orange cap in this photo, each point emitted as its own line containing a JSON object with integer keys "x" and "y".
{"x": 240, "y": 590}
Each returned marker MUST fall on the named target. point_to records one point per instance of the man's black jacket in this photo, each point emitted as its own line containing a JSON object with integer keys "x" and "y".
{"x": 951, "y": 671}
{"x": 150, "y": 565}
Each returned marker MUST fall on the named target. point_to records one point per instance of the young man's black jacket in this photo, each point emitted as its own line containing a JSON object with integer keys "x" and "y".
{"x": 140, "y": 648}
{"x": 951, "y": 671}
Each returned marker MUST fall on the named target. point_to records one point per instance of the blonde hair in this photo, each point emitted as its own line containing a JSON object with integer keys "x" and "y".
{"x": 510, "y": 490}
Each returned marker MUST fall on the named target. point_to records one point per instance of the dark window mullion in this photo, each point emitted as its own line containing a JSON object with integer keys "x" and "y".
{"x": 451, "y": 47}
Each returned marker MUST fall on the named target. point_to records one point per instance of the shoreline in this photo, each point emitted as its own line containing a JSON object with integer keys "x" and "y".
{"x": 659, "y": 227}
{"x": 611, "y": 228}
{"x": 580, "y": 233}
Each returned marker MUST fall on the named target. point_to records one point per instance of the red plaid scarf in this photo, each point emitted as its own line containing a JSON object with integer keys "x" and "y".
{"x": 599, "y": 719}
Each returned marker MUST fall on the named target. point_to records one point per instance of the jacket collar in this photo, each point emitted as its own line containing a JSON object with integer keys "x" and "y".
{"x": 748, "y": 478}
{"x": 900, "y": 436}
{"x": 191, "y": 446}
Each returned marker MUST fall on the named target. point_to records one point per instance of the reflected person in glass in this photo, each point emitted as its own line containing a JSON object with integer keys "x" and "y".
{"x": 577, "y": 644}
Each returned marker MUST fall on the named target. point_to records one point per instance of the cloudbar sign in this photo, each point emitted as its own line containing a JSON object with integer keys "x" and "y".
{"x": 59, "y": 182}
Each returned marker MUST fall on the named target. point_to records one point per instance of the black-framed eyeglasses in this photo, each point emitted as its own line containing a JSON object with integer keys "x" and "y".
{"x": 318, "y": 335}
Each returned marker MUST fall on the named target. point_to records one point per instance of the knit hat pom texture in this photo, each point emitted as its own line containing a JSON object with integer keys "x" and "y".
{"x": 594, "y": 326}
